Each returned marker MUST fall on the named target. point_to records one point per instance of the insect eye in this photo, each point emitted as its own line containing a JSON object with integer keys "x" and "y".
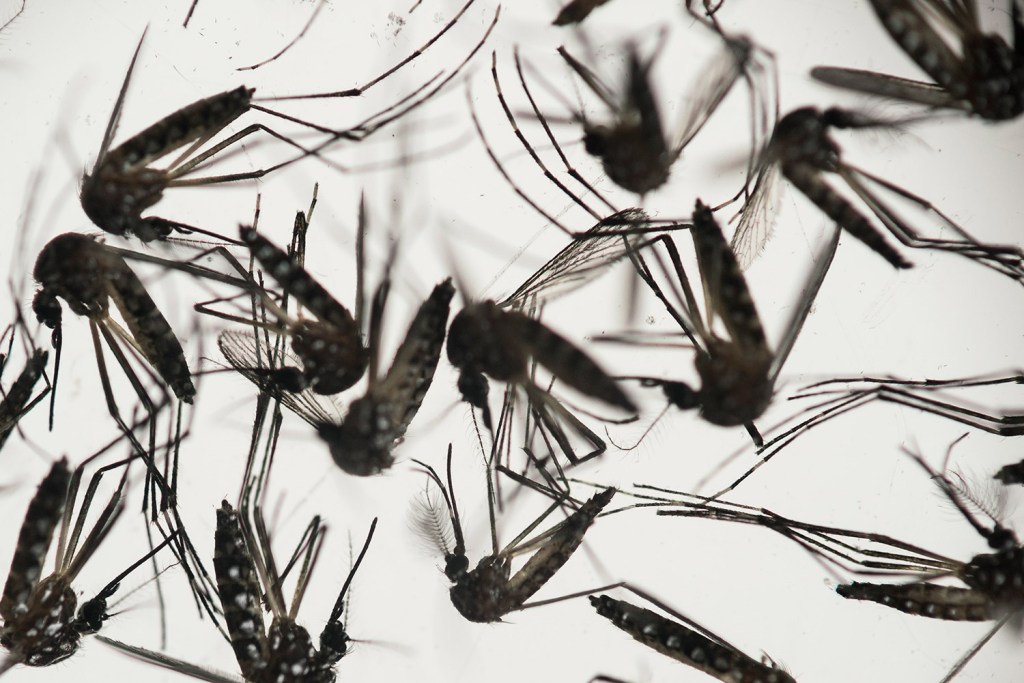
{"x": 334, "y": 641}
{"x": 47, "y": 309}
{"x": 91, "y": 616}
{"x": 594, "y": 143}
{"x": 455, "y": 566}
{"x": 680, "y": 395}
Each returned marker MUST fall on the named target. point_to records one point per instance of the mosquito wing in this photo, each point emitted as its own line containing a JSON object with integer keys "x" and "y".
{"x": 251, "y": 359}
{"x": 757, "y": 219}
{"x": 582, "y": 260}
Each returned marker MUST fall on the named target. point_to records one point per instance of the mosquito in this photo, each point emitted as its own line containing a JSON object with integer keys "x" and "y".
{"x": 490, "y": 591}
{"x": 634, "y": 149}
{"x": 123, "y": 182}
{"x": 499, "y": 339}
{"x": 17, "y": 399}
{"x": 629, "y": 221}
{"x": 40, "y": 623}
{"x": 247, "y": 575}
{"x": 737, "y": 373}
{"x": 362, "y": 441}
{"x": 88, "y": 275}
{"x": 993, "y": 580}
{"x": 978, "y": 74}
{"x": 802, "y": 151}
{"x": 686, "y": 641}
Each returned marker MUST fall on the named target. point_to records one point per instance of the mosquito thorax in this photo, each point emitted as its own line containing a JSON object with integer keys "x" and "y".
{"x": 361, "y": 445}
{"x": 997, "y": 91}
{"x": 680, "y": 394}
{"x": 42, "y": 631}
{"x": 481, "y": 595}
{"x": 801, "y": 137}
{"x": 72, "y": 266}
{"x": 334, "y": 359}
{"x": 478, "y": 341}
{"x": 734, "y": 390}
{"x": 113, "y": 201}
{"x": 292, "y": 657}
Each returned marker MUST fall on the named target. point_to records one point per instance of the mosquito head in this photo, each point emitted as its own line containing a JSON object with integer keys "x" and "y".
{"x": 680, "y": 394}
{"x": 47, "y": 308}
{"x": 334, "y": 642}
{"x": 474, "y": 388}
{"x": 93, "y": 613}
{"x": 1001, "y": 538}
{"x": 455, "y": 566}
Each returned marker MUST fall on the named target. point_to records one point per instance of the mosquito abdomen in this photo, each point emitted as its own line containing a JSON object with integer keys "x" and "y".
{"x": 239, "y": 591}
{"x": 17, "y": 397}
{"x": 566, "y": 362}
{"x": 950, "y": 603}
{"x": 686, "y": 645}
{"x": 724, "y": 278}
{"x": 809, "y": 181}
{"x": 555, "y": 552}
{"x": 911, "y": 31}
{"x": 41, "y": 519}
{"x": 151, "y": 331}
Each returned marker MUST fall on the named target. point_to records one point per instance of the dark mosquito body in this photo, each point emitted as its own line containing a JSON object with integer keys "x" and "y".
{"x": 248, "y": 578}
{"x": 635, "y": 150}
{"x": 333, "y": 354}
{"x": 802, "y": 150}
{"x": 490, "y": 590}
{"x": 687, "y": 642}
{"x": 737, "y": 373}
{"x": 285, "y": 651}
{"x": 503, "y": 341}
{"x": 981, "y": 75}
{"x": 361, "y": 441}
{"x": 993, "y": 583}
{"x": 332, "y": 357}
{"x": 41, "y": 625}
{"x": 576, "y": 11}
{"x": 486, "y": 339}
{"x": 88, "y": 276}
{"x": 375, "y": 423}
{"x": 123, "y": 182}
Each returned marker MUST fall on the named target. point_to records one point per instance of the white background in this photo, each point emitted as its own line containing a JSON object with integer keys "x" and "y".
{"x": 62, "y": 65}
